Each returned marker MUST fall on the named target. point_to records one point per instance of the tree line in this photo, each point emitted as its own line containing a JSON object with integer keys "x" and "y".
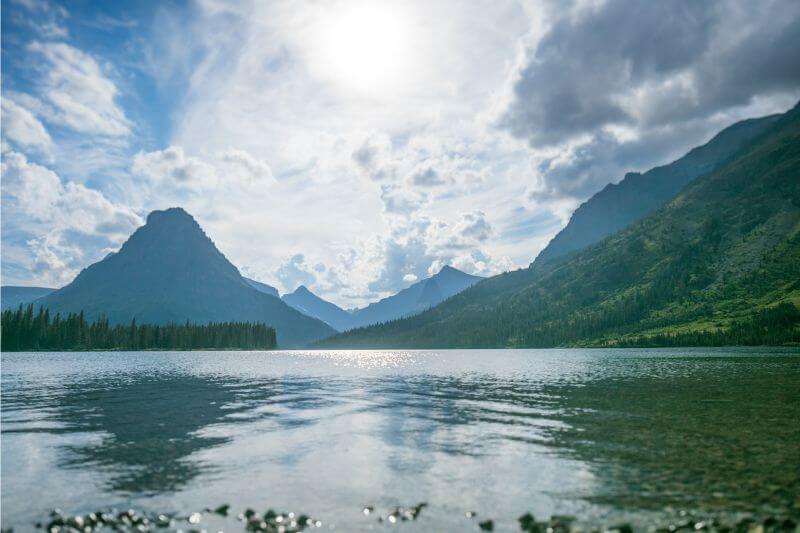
{"x": 771, "y": 327}
{"x": 25, "y": 330}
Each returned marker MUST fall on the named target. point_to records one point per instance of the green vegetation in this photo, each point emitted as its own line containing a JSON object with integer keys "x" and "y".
{"x": 22, "y": 330}
{"x": 719, "y": 264}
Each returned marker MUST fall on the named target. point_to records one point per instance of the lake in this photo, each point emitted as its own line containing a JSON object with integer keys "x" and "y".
{"x": 639, "y": 436}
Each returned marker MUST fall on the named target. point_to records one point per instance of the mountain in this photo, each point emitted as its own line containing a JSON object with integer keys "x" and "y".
{"x": 418, "y": 297}
{"x": 718, "y": 264}
{"x": 12, "y": 296}
{"x": 263, "y": 287}
{"x": 170, "y": 271}
{"x": 310, "y": 304}
{"x": 621, "y": 204}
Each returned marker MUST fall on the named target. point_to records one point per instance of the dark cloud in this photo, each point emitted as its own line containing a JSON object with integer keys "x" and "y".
{"x": 365, "y": 155}
{"x": 662, "y": 71}
{"x": 427, "y": 177}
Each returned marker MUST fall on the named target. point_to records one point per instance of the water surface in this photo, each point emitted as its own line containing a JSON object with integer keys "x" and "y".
{"x": 605, "y": 435}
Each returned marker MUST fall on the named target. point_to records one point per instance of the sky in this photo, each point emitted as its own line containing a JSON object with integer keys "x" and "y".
{"x": 358, "y": 146}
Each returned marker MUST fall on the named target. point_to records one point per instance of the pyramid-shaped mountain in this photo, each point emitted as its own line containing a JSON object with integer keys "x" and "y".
{"x": 170, "y": 271}
{"x": 310, "y": 304}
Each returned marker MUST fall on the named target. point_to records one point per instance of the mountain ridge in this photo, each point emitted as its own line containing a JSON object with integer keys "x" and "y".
{"x": 310, "y": 304}
{"x": 416, "y": 298}
{"x": 720, "y": 262}
{"x": 169, "y": 270}
{"x": 12, "y": 296}
{"x": 620, "y": 204}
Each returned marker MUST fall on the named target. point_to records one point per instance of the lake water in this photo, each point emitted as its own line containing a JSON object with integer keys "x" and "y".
{"x": 605, "y": 435}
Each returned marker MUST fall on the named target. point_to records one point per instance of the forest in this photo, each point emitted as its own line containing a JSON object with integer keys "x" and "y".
{"x": 26, "y": 330}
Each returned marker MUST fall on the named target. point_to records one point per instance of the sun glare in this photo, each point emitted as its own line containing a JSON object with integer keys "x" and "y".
{"x": 367, "y": 47}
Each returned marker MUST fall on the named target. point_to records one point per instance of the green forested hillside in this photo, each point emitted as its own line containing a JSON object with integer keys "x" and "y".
{"x": 719, "y": 264}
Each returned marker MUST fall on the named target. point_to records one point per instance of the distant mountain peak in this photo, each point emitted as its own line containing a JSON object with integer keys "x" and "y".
{"x": 416, "y": 298}
{"x": 171, "y": 213}
{"x": 312, "y": 305}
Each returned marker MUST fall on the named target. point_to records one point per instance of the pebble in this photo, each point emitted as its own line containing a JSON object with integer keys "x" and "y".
{"x": 271, "y": 521}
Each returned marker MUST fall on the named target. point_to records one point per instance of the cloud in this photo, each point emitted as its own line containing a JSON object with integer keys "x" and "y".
{"x": 23, "y": 129}
{"x": 78, "y": 93}
{"x": 374, "y": 157}
{"x": 623, "y": 85}
{"x": 400, "y": 200}
{"x": 427, "y": 177}
{"x": 63, "y": 223}
{"x": 251, "y": 126}
{"x": 248, "y": 167}
{"x": 47, "y": 20}
{"x": 294, "y": 272}
{"x": 474, "y": 226}
{"x": 420, "y": 247}
{"x": 171, "y": 167}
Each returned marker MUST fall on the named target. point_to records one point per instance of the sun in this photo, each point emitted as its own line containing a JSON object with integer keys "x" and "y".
{"x": 366, "y": 47}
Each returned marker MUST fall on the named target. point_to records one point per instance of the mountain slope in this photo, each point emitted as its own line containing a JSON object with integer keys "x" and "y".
{"x": 417, "y": 298}
{"x": 12, "y": 296}
{"x": 621, "y": 204}
{"x": 263, "y": 287}
{"x": 310, "y": 304}
{"x": 170, "y": 271}
{"x": 720, "y": 261}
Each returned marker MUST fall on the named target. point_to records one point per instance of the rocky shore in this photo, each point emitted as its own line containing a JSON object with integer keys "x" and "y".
{"x": 271, "y": 521}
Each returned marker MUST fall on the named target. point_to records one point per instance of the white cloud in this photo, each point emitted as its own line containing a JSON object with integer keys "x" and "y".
{"x": 171, "y": 166}
{"x": 294, "y": 272}
{"x": 47, "y": 19}
{"x": 65, "y": 224}
{"x": 23, "y": 129}
{"x": 78, "y": 93}
{"x": 308, "y": 163}
{"x": 612, "y": 87}
{"x": 402, "y": 201}
{"x": 245, "y": 166}
{"x": 356, "y": 165}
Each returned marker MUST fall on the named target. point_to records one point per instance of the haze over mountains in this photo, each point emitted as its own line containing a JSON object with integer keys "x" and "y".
{"x": 720, "y": 262}
{"x": 12, "y": 296}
